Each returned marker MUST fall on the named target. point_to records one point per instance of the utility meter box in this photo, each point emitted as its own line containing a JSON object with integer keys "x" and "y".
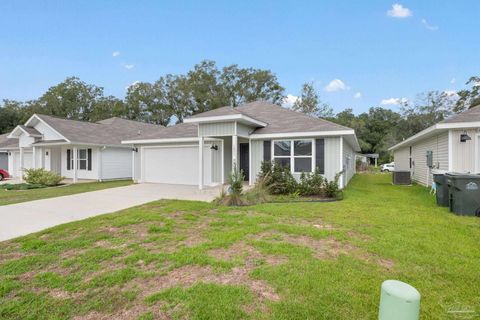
{"x": 430, "y": 158}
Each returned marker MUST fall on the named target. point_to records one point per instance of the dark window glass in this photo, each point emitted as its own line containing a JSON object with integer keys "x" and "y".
{"x": 302, "y": 147}
{"x": 284, "y": 162}
{"x": 303, "y": 164}
{"x": 82, "y": 164}
{"x": 282, "y": 148}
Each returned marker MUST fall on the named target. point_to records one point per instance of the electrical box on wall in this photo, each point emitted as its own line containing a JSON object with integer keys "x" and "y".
{"x": 429, "y": 158}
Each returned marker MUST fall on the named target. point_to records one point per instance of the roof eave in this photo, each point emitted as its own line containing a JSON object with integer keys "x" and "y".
{"x": 235, "y": 117}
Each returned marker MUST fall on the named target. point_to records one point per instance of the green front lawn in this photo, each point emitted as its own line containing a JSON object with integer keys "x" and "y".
{"x": 180, "y": 259}
{"x": 16, "y": 196}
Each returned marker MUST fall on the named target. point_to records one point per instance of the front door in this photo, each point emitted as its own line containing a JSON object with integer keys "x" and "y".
{"x": 47, "y": 160}
{"x": 244, "y": 160}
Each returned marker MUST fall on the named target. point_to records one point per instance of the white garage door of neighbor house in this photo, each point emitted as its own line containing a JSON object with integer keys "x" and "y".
{"x": 176, "y": 165}
{"x": 27, "y": 162}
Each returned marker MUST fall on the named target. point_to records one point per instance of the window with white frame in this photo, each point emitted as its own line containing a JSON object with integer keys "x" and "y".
{"x": 83, "y": 160}
{"x": 294, "y": 154}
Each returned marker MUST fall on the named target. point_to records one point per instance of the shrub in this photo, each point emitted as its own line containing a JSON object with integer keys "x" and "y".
{"x": 234, "y": 195}
{"x": 311, "y": 183}
{"x": 42, "y": 177}
{"x": 281, "y": 180}
{"x": 331, "y": 187}
{"x": 21, "y": 186}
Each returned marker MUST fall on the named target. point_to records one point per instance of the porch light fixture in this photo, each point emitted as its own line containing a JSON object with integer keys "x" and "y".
{"x": 214, "y": 147}
{"x": 464, "y": 137}
{"x": 135, "y": 149}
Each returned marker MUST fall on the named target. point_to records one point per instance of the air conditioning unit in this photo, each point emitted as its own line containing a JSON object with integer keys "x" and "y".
{"x": 402, "y": 178}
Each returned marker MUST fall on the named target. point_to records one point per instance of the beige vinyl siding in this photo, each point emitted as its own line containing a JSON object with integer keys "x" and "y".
{"x": 463, "y": 153}
{"x": 439, "y": 146}
{"x": 217, "y": 129}
{"x": 348, "y": 161}
{"x": 332, "y": 157}
{"x": 401, "y": 157}
{"x": 256, "y": 158}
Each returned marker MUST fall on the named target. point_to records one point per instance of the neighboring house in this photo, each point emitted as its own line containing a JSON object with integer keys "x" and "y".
{"x": 74, "y": 149}
{"x": 5, "y": 143}
{"x": 203, "y": 150}
{"x": 452, "y": 145}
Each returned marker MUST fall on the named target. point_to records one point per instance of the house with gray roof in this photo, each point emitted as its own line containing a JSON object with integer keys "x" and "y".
{"x": 74, "y": 149}
{"x": 205, "y": 148}
{"x": 452, "y": 145}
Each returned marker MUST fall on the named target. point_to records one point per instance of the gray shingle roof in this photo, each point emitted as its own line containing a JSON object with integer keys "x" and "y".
{"x": 471, "y": 115}
{"x": 7, "y": 143}
{"x": 30, "y": 130}
{"x": 282, "y": 120}
{"x": 278, "y": 119}
{"x": 109, "y": 131}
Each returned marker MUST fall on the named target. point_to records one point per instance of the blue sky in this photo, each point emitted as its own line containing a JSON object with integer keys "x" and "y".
{"x": 373, "y": 51}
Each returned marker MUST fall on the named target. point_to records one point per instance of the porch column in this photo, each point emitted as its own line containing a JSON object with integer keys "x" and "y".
{"x": 234, "y": 152}
{"x": 200, "y": 163}
{"x": 376, "y": 162}
{"x": 21, "y": 163}
{"x": 74, "y": 164}
{"x": 34, "y": 157}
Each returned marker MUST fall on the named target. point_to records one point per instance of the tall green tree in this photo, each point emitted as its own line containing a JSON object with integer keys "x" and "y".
{"x": 147, "y": 102}
{"x": 107, "y": 107}
{"x": 71, "y": 99}
{"x": 469, "y": 97}
{"x": 309, "y": 103}
{"x": 12, "y": 113}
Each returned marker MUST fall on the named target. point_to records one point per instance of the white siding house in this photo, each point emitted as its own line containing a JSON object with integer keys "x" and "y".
{"x": 454, "y": 144}
{"x": 244, "y": 137}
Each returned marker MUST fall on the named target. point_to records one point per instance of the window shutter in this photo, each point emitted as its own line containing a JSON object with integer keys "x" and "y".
{"x": 320, "y": 155}
{"x": 69, "y": 158}
{"x": 267, "y": 150}
{"x": 89, "y": 159}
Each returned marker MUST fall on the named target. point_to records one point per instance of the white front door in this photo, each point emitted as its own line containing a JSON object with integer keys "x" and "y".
{"x": 47, "y": 159}
{"x": 175, "y": 165}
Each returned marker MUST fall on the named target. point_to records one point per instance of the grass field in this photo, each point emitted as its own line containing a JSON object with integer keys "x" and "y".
{"x": 16, "y": 196}
{"x": 192, "y": 260}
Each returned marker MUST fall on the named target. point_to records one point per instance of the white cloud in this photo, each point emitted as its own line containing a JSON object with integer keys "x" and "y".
{"x": 289, "y": 100}
{"x": 399, "y": 11}
{"x": 132, "y": 84}
{"x": 393, "y": 101}
{"x": 336, "y": 85}
{"x": 115, "y": 53}
{"x": 453, "y": 80}
{"x": 357, "y": 95}
{"x": 429, "y": 26}
{"x": 129, "y": 66}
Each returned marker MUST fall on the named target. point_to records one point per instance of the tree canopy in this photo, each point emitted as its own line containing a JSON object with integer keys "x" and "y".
{"x": 171, "y": 98}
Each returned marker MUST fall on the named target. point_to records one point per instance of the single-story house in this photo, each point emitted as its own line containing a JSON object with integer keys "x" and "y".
{"x": 450, "y": 145}
{"x": 4, "y": 143}
{"x": 205, "y": 147}
{"x": 74, "y": 149}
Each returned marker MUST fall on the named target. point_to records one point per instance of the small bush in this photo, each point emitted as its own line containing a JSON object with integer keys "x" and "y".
{"x": 42, "y": 177}
{"x": 234, "y": 196}
{"x": 21, "y": 186}
{"x": 311, "y": 184}
{"x": 279, "y": 180}
{"x": 235, "y": 180}
{"x": 331, "y": 187}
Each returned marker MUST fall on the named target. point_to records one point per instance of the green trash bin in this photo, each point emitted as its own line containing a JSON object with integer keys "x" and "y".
{"x": 442, "y": 189}
{"x": 464, "y": 193}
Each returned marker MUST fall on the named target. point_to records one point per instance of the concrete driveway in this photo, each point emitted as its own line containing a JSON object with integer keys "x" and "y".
{"x": 24, "y": 218}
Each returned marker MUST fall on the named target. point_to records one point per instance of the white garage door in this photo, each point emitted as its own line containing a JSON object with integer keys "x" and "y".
{"x": 175, "y": 165}
{"x": 27, "y": 162}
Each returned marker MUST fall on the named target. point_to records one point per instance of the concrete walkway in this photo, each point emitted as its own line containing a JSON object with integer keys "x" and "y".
{"x": 24, "y": 218}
